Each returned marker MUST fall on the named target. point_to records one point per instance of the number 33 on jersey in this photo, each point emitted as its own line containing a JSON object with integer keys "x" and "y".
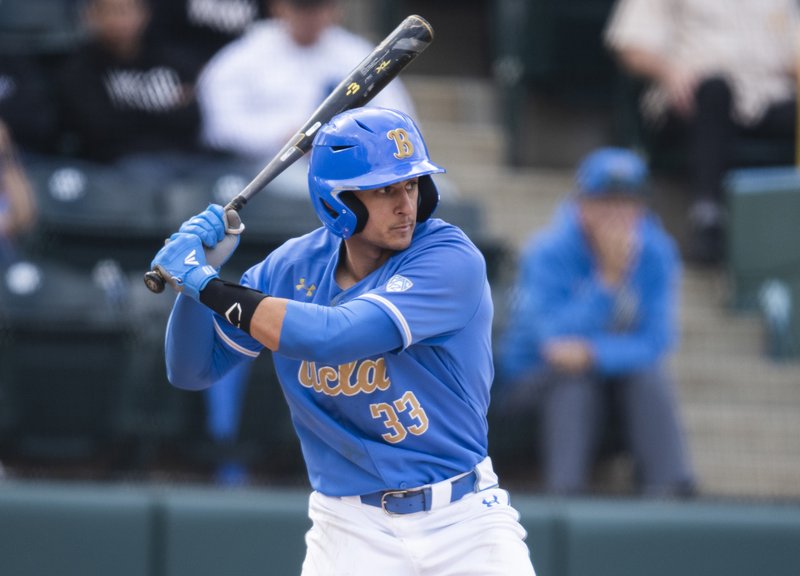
{"x": 401, "y": 417}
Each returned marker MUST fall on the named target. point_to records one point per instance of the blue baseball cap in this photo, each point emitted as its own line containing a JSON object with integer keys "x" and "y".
{"x": 612, "y": 172}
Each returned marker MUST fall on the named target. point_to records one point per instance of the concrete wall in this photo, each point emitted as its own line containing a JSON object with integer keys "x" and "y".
{"x": 142, "y": 530}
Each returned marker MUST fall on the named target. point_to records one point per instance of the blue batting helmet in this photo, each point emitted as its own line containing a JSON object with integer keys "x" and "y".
{"x": 364, "y": 149}
{"x": 612, "y": 171}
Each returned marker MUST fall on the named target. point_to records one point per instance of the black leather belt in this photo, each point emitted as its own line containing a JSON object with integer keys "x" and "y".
{"x": 418, "y": 499}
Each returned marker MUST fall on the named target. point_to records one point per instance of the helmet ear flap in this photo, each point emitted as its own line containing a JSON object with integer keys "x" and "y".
{"x": 349, "y": 199}
{"x": 427, "y": 202}
{"x": 428, "y": 198}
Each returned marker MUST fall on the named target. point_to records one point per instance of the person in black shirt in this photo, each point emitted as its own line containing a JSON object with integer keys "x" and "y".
{"x": 26, "y": 105}
{"x": 122, "y": 97}
{"x": 200, "y": 28}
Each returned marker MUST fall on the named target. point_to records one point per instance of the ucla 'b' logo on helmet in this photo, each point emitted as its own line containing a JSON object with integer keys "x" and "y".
{"x": 405, "y": 147}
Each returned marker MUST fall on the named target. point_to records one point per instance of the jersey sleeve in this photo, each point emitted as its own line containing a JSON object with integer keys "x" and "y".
{"x": 435, "y": 291}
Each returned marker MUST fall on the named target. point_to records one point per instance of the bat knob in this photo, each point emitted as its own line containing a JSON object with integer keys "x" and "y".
{"x": 154, "y": 282}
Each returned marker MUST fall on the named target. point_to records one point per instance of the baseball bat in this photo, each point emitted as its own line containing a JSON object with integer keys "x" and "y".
{"x": 383, "y": 64}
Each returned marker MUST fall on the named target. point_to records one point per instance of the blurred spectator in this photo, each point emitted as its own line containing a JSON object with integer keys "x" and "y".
{"x": 592, "y": 325}
{"x": 714, "y": 67}
{"x": 17, "y": 201}
{"x": 201, "y": 27}
{"x": 224, "y": 404}
{"x": 257, "y": 91}
{"x": 124, "y": 100}
{"x": 26, "y": 105}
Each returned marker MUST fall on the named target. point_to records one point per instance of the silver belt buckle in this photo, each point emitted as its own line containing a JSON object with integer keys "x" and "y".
{"x": 400, "y": 493}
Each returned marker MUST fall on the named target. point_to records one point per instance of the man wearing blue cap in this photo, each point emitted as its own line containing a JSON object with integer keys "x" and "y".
{"x": 593, "y": 321}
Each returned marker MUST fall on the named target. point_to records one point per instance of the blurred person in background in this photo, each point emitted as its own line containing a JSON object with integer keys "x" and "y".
{"x": 124, "y": 101}
{"x": 591, "y": 328}
{"x": 713, "y": 67}
{"x": 27, "y": 107}
{"x": 17, "y": 200}
{"x": 258, "y": 90}
{"x": 200, "y": 28}
{"x": 224, "y": 403}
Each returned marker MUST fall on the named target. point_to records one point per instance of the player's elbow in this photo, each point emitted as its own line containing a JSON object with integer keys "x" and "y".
{"x": 187, "y": 380}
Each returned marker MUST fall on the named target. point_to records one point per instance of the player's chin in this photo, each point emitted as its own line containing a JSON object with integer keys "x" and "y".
{"x": 400, "y": 238}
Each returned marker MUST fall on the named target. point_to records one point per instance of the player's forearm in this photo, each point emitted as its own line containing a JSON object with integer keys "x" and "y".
{"x": 189, "y": 345}
{"x": 267, "y": 322}
{"x": 327, "y": 334}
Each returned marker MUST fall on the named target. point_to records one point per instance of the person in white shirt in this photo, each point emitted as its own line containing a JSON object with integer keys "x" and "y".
{"x": 257, "y": 91}
{"x": 713, "y": 67}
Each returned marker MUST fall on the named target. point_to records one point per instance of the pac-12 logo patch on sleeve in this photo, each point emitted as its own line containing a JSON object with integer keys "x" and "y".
{"x": 398, "y": 283}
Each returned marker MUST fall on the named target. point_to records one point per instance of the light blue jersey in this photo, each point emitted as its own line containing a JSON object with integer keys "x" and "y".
{"x": 384, "y": 421}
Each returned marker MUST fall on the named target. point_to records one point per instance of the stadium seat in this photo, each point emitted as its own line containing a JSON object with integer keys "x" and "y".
{"x": 64, "y": 354}
{"x": 763, "y": 206}
{"x": 89, "y": 212}
{"x": 763, "y": 263}
{"x": 40, "y": 28}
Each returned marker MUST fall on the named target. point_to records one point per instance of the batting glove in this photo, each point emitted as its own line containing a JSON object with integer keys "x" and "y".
{"x": 218, "y": 230}
{"x": 183, "y": 264}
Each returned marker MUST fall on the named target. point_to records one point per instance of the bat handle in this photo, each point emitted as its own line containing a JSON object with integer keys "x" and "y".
{"x": 154, "y": 281}
{"x": 236, "y": 204}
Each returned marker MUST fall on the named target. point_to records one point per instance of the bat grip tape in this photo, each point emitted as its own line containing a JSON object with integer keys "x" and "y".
{"x": 234, "y": 302}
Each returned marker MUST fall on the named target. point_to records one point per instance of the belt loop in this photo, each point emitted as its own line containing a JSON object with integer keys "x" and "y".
{"x": 441, "y": 494}
{"x": 487, "y": 478}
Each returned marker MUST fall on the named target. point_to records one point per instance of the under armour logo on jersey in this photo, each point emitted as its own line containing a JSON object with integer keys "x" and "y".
{"x": 398, "y": 283}
{"x": 405, "y": 148}
{"x": 302, "y": 286}
{"x": 191, "y": 259}
{"x": 489, "y": 503}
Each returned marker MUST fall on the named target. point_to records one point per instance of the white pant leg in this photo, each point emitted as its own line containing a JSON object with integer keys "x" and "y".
{"x": 348, "y": 539}
{"x": 479, "y": 535}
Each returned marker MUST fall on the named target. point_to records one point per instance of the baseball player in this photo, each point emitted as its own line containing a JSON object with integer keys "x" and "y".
{"x": 379, "y": 323}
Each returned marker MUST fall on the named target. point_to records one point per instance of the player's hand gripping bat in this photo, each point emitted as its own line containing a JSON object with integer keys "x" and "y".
{"x": 394, "y": 53}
